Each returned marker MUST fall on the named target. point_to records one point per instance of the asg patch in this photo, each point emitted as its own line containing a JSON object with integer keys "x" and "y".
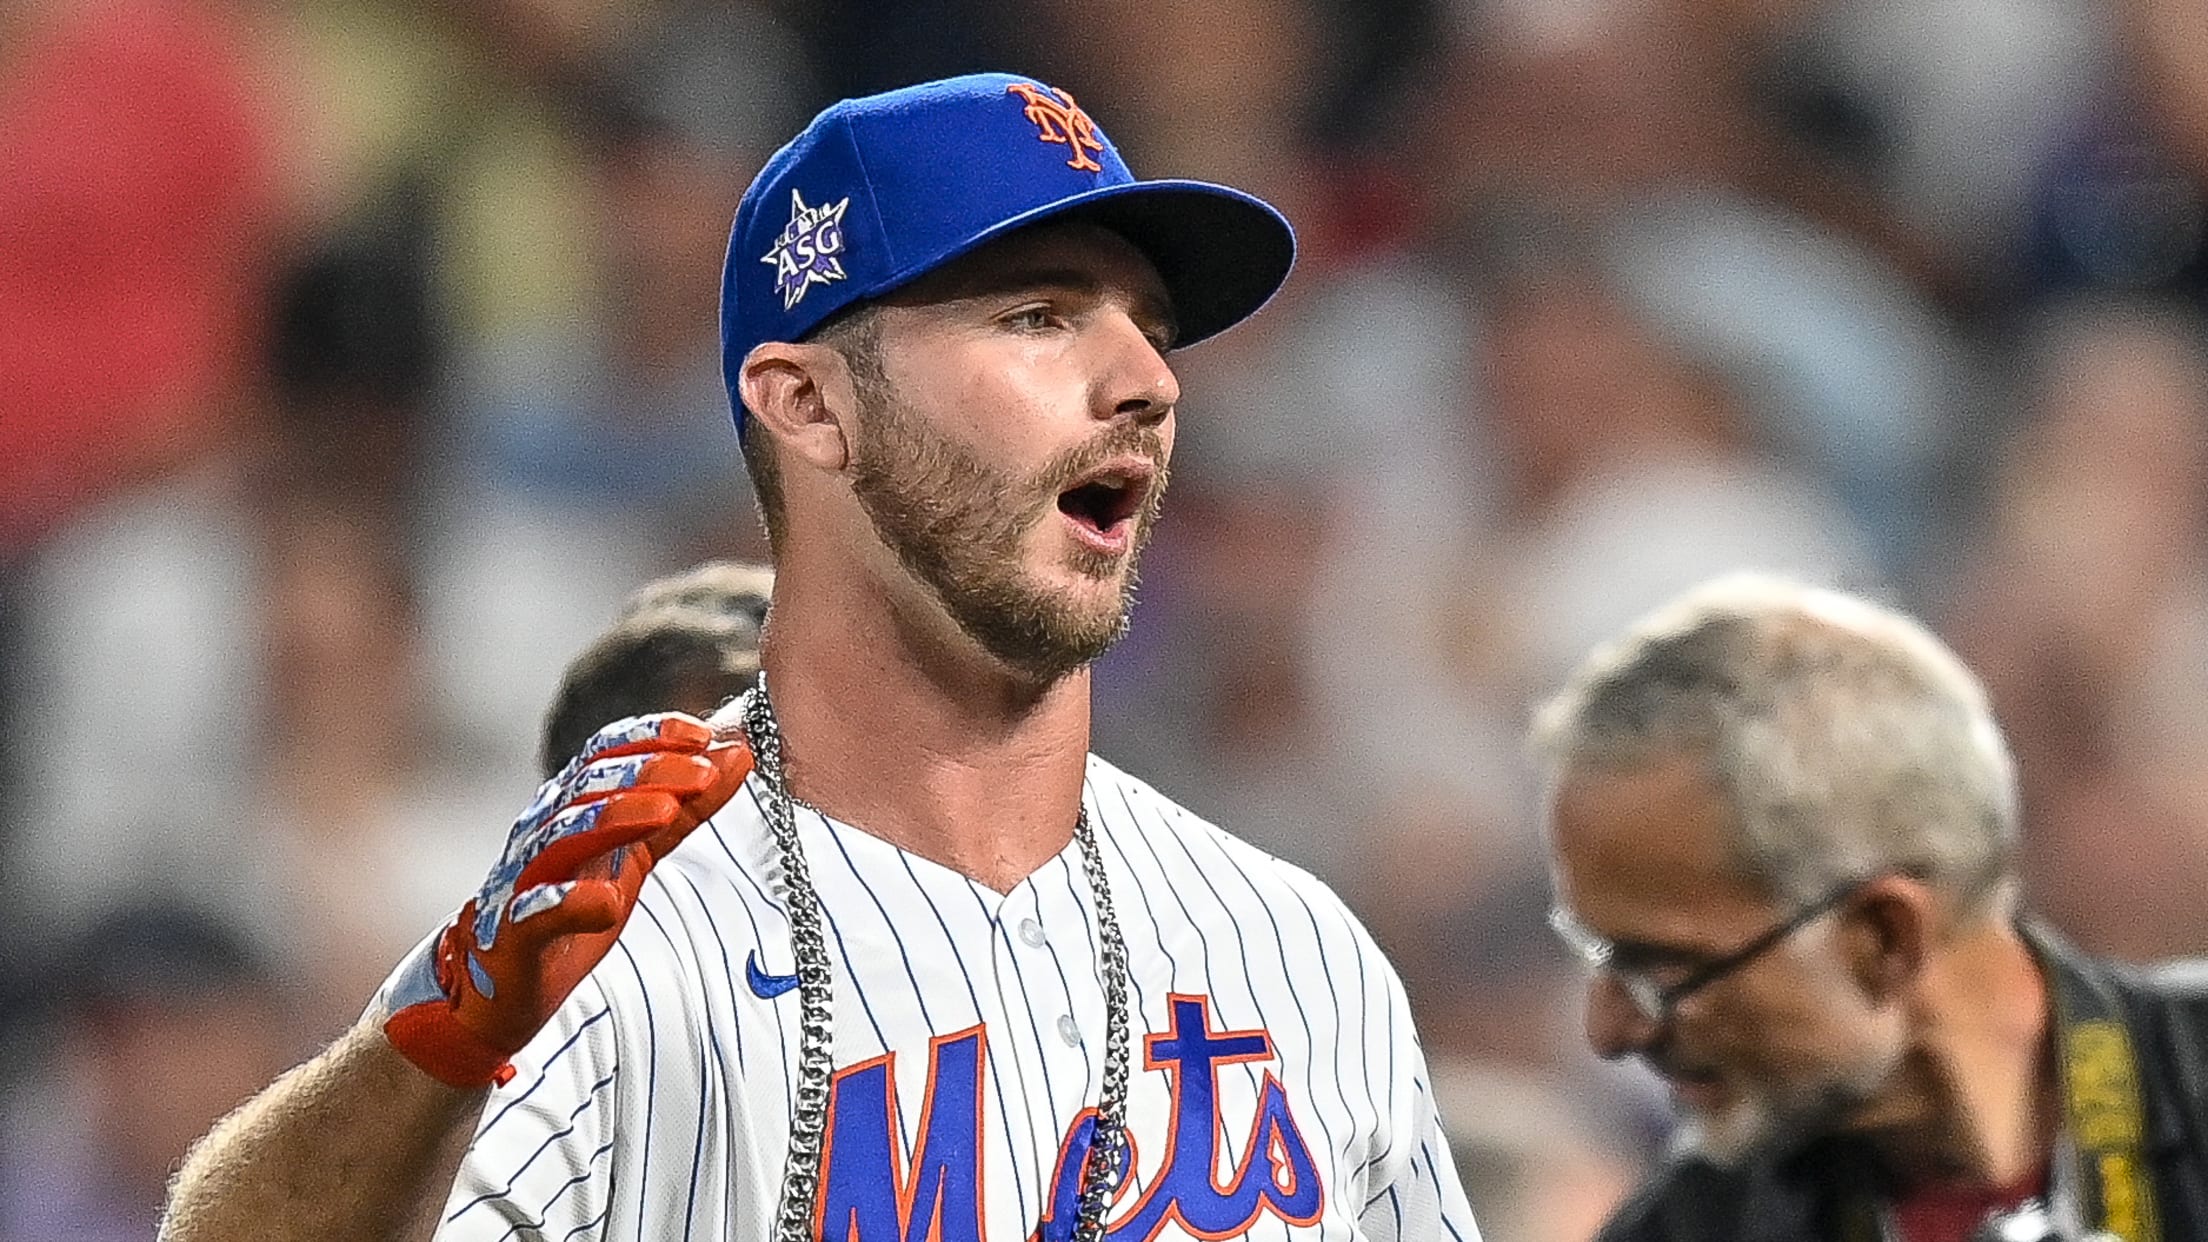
{"x": 807, "y": 252}
{"x": 1058, "y": 119}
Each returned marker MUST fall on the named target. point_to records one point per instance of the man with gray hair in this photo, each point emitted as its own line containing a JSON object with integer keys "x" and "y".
{"x": 1784, "y": 827}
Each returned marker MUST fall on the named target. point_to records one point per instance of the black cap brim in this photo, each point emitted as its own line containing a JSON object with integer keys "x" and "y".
{"x": 1223, "y": 254}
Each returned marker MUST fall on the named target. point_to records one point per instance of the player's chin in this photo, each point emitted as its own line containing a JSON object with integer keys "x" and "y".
{"x": 1064, "y": 620}
{"x": 1082, "y": 590}
{"x": 1075, "y": 562}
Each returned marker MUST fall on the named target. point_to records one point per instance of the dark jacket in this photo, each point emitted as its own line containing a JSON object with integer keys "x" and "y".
{"x": 1807, "y": 1195}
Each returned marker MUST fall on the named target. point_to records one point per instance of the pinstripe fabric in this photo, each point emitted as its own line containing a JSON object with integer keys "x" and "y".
{"x": 655, "y": 1106}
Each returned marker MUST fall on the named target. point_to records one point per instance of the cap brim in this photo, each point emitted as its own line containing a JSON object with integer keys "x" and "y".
{"x": 1221, "y": 253}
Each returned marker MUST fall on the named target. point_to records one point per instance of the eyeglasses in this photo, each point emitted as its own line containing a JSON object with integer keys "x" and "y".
{"x": 1658, "y": 1001}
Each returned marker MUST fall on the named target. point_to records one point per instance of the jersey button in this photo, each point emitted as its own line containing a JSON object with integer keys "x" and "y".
{"x": 1069, "y": 1030}
{"x": 1032, "y": 933}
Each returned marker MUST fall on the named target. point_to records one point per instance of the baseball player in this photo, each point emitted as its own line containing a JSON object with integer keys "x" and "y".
{"x": 909, "y": 964}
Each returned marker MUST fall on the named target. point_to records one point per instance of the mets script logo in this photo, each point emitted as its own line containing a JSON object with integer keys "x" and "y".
{"x": 868, "y": 1193}
{"x": 805, "y": 254}
{"x": 1062, "y": 121}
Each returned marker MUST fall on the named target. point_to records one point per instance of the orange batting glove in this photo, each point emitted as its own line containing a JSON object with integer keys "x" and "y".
{"x": 464, "y": 1001}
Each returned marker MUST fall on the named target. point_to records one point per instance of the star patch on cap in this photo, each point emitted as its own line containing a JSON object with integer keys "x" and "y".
{"x": 806, "y": 253}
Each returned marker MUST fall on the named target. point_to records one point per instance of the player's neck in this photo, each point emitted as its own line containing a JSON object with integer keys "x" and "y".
{"x": 934, "y": 749}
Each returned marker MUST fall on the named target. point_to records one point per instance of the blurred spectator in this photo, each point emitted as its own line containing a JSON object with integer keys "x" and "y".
{"x": 138, "y": 200}
{"x": 2087, "y": 612}
{"x": 141, "y": 680}
{"x": 863, "y": 47}
{"x": 589, "y": 444}
{"x": 1600, "y": 106}
{"x": 1948, "y": 122}
{"x": 1632, "y": 469}
{"x": 146, "y": 619}
{"x": 1535, "y": 1163}
{"x": 367, "y": 832}
{"x": 356, "y": 355}
{"x": 167, "y": 1021}
{"x": 2123, "y": 205}
{"x": 140, "y": 193}
{"x": 1646, "y": 130}
{"x": 374, "y": 835}
{"x": 1839, "y": 363}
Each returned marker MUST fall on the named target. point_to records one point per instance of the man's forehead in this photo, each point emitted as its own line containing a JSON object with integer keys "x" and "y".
{"x": 1646, "y": 847}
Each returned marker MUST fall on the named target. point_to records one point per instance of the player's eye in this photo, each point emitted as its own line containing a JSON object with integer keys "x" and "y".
{"x": 1037, "y": 318}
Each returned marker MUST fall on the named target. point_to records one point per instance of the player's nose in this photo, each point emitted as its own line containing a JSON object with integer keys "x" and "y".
{"x": 1133, "y": 378}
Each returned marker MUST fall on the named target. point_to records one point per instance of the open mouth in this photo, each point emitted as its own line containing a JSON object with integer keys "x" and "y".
{"x": 1106, "y": 500}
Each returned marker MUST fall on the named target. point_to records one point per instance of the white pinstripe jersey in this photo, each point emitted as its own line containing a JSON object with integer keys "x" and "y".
{"x": 1277, "y": 1088}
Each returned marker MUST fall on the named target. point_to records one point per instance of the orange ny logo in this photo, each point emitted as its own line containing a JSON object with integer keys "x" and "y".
{"x": 1061, "y": 120}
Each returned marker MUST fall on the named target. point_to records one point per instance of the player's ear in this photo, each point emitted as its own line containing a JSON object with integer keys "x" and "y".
{"x": 803, "y": 395}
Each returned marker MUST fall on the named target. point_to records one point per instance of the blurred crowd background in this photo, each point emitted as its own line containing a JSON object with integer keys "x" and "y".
{"x": 357, "y": 356}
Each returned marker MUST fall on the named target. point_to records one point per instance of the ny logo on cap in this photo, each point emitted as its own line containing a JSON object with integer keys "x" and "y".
{"x": 1062, "y": 121}
{"x": 805, "y": 254}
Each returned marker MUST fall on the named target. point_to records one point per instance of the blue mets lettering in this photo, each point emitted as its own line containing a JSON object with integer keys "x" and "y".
{"x": 866, "y": 1195}
{"x": 869, "y": 1193}
{"x": 1276, "y": 1172}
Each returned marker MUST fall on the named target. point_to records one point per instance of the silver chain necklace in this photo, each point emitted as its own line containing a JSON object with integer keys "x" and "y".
{"x": 1100, "y": 1173}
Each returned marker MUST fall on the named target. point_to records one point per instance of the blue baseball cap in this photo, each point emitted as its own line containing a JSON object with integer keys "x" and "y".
{"x": 879, "y": 191}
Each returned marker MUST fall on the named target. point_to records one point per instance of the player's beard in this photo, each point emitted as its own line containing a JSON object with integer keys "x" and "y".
{"x": 957, "y": 524}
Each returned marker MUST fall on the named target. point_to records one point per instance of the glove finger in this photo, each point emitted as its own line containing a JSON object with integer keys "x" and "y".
{"x": 676, "y": 774}
{"x": 510, "y": 988}
{"x": 731, "y": 766}
{"x": 668, "y": 731}
{"x": 583, "y": 833}
{"x": 554, "y": 814}
{"x": 631, "y": 735}
{"x": 570, "y": 907}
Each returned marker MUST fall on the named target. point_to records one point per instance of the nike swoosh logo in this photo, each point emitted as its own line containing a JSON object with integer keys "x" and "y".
{"x": 763, "y": 985}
